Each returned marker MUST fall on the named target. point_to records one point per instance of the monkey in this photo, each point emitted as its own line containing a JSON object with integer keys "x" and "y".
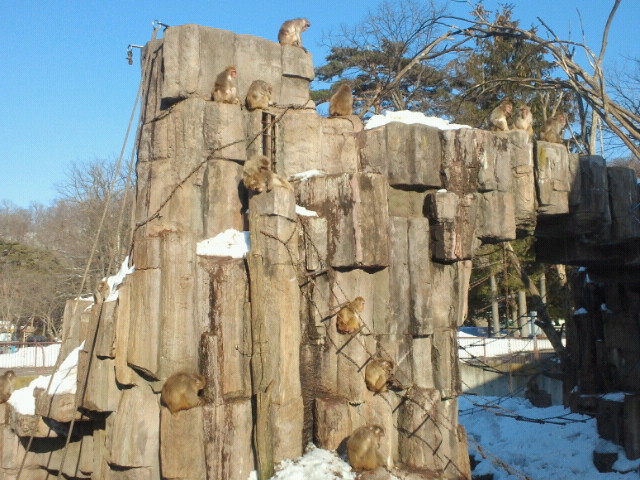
{"x": 348, "y": 320}
{"x": 552, "y": 129}
{"x": 259, "y": 95}
{"x": 524, "y": 120}
{"x": 499, "y": 116}
{"x": 226, "y": 86}
{"x": 377, "y": 375}
{"x": 6, "y": 385}
{"x": 103, "y": 290}
{"x": 180, "y": 391}
{"x": 341, "y": 102}
{"x": 362, "y": 448}
{"x": 257, "y": 176}
{"x": 291, "y": 30}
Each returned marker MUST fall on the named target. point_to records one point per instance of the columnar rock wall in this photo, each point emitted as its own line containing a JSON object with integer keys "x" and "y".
{"x": 400, "y": 210}
{"x": 600, "y": 232}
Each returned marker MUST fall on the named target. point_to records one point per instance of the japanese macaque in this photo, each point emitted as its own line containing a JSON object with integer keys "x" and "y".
{"x": 498, "y": 120}
{"x": 348, "y": 320}
{"x": 6, "y": 385}
{"x": 363, "y": 448}
{"x": 259, "y": 95}
{"x": 552, "y": 129}
{"x": 291, "y": 30}
{"x": 180, "y": 391}
{"x": 341, "y": 102}
{"x": 257, "y": 176}
{"x": 226, "y": 86}
{"x": 103, "y": 290}
{"x": 377, "y": 375}
{"x": 524, "y": 120}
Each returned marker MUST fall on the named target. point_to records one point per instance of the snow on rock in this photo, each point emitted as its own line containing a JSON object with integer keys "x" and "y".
{"x": 303, "y": 212}
{"x": 581, "y": 311}
{"x": 116, "y": 280}
{"x": 409, "y": 117}
{"x": 230, "y": 243}
{"x": 64, "y": 381}
{"x": 315, "y": 464}
{"x": 302, "y": 176}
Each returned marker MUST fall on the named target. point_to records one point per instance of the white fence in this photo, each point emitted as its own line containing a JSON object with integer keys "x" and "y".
{"x": 29, "y": 355}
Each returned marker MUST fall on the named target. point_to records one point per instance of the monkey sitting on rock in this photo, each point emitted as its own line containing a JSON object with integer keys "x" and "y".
{"x": 341, "y": 102}
{"x": 226, "y": 86}
{"x": 363, "y": 448}
{"x": 6, "y": 385}
{"x": 259, "y": 95}
{"x": 378, "y": 376}
{"x": 524, "y": 120}
{"x": 552, "y": 129}
{"x": 180, "y": 391}
{"x": 257, "y": 176}
{"x": 498, "y": 120}
{"x": 348, "y": 320}
{"x": 291, "y": 30}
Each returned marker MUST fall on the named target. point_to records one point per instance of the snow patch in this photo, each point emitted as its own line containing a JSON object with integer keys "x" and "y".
{"x": 230, "y": 243}
{"x": 303, "y": 212}
{"x": 302, "y": 176}
{"x": 116, "y": 280}
{"x": 409, "y": 117}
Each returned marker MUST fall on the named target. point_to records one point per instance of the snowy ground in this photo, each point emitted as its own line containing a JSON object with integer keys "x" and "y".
{"x": 560, "y": 448}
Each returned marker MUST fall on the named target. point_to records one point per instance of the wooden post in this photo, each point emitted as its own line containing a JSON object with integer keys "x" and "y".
{"x": 522, "y": 312}
{"x": 495, "y": 313}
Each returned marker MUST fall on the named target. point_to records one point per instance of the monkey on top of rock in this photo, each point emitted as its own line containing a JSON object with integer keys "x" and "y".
{"x": 291, "y": 30}
{"x": 226, "y": 86}
{"x": 498, "y": 120}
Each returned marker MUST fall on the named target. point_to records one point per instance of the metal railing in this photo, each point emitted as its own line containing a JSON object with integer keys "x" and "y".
{"x": 484, "y": 348}
{"x": 31, "y": 356}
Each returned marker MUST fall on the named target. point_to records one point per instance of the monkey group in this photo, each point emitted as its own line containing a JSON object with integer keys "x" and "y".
{"x": 6, "y": 385}
{"x": 180, "y": 391}
{"x": 551, "y": 131}
{"x": 225, "y": 89}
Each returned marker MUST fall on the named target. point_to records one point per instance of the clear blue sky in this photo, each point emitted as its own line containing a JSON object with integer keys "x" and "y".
{"x": 69, "y": 90}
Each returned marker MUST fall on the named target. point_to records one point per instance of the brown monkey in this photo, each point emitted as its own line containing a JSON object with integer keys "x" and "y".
{"x": 524, "y": 120}
{"x": 362, "y": 448}
{"x": 552, "y": 129}
{"x": 226, "y": 87}
{"x": 377, "y": 375}
{"x": 341, "y": 102}
{"x": 291, "y": 30}
{"x": 257, "y": 175}
{"x": 180, "y": 391}
{"x": 348, "y": 320}
{"x": 259, "y": 95}
{"x": 6, "y": 385}
{"x": 500, "y": 115}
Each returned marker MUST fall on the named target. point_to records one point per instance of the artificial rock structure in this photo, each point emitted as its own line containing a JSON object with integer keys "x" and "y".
{"x": 400, "y": 211}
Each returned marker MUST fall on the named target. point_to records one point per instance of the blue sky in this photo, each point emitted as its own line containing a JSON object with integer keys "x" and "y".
{"x": 69, "y": 89}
